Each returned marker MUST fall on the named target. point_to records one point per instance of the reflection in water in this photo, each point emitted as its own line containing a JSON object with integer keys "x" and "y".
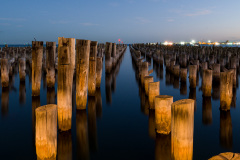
{"x": 226, "y": 139}
{"x": 51, "y": 95}
{"x": 215, "y": 90}
{"x": 151, "y": 124}
{"x": 5, "y": 100}
{"x": 192, "y": 95}
{"x": 163, "y": 147}
{"x": 35, "y": 105}
{"x": 64, "y": 145}
{"x": 183, "y": 88}
{"x": 206, "y": 110}
{"x": 108, "y": 80}
{"x": 82, "y": 135}
{"x": 98, "y": 102}
{"x": 22, "y": 92}
{"x": 92, "y": 123}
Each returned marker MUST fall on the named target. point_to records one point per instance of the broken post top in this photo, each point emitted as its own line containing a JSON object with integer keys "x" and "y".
{"x": 93, "y": 49}
{"x": 46, "y": 108}
{"x": 37, "y": 44}
{"x": 93, "y": 43}
{"x": 65, "y": 41}
{"x": 183, "y": 102}
{"x": 82, "y": 42}
{"x": 164, "y": 97}
{"x": 50, "y": 44}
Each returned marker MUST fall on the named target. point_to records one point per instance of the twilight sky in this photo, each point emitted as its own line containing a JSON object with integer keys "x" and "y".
{"x": 130, "y": 20}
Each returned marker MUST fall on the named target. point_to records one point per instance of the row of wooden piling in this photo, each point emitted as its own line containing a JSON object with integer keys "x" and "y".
{"x": 176, "y": 118}
{"x": 215, "y": 64}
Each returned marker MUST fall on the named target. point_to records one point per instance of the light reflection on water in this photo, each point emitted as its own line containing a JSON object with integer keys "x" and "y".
{"x": 117, "y": 123}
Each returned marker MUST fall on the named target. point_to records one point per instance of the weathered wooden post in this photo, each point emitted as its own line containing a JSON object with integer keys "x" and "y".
{"x": 193, "y": 75}
{"x": 163, "y": 113}
{"x": 22, "y": 69}
{"x": 182, "y": 114}
{"x": 82, "y": 68}
{"x": 92, "y": 69}
{"x": 226, "y": 86}
{"x": 154, "y": 90}
{"x": 4, "y": 72}
{"x": 113, "y": 55}
{"x": 143, "y": 71}
{"x": 50, "y": 56}
{"x": 176, "y": 71}
{"x": 216, "y": 72}
{"x": 37, "y": 56}
{"x": 65, "y": 80}
{"x": 147, "y": 80}
{"x": 183, "y": 74}
{"x": 207, "y": 83}
{"x": 108, "y": 59}
{"x": 46, "y": 132}
{"x": 99, "y": 72}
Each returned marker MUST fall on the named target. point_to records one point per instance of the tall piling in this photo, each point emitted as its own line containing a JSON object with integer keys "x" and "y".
{"x": 154, "y": 90}
{"x": 163, "y": 113}
{"x": 65, "y": 80}
{"x": 37, "y": 56}
{"x": 226, "y": 87}
{"x": 193, "y": 75}
{"x": 46, "y": 132}
{"x": 4, "y": 72}
{"x": 50, "y": 54}
{"x": 108, "y": 59}
{"x": 182, "y": 114}
{"x": 207, "y": 83}
{"x": 82, "y": 68}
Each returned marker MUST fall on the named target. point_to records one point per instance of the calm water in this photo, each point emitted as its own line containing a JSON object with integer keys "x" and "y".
{"x": 119, "y": 127}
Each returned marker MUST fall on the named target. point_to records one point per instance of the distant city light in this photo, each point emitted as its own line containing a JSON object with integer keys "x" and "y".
{"x": 209, "y": 41}
{"x": 193, "y": 42}
{"x": 167, "y": 43}
{"x": 229, "y": 43}
{"x": 216, "y": 43}
{"x": 182, "y": 43}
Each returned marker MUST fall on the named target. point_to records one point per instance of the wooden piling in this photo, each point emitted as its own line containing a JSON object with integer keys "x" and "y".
{"x": 163, "y": 113}
{"x": 154, "y": 90}
{"x": 50, "y": 60}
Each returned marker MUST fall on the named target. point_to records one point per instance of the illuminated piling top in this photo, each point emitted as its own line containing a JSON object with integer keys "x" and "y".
{"x": 46, "y": 108}
{"x": 226, "y": 156}
{"x": 164, "y": 97}
{"x": 183, "y": 102}
{"x": 82, "y": 42}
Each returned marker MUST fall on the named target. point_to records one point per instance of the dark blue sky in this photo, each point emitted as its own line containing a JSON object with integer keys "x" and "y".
{"x": 130, "y": 20}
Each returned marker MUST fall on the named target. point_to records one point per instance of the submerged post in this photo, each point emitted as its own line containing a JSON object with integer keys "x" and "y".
{"x": 163, "y": 113}
{"x": 37, "y": 55}
{"x": 46, "y": 132}
{"x": 83, "y": 53}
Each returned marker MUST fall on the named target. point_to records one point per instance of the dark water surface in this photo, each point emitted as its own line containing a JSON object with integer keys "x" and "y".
{"x": 120, "y": 127}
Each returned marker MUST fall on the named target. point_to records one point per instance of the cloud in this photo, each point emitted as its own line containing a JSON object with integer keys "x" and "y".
{"x": 199, "y": 13}
{"x": 12, "y": 19}
{"x": 4, "y": 24}
{"x": 170, "y": 20}
{"x": 59, "y": 22}
{"x": 114, "y": 4}
{"x": 89, "y": 24}
{"x": 142, "y": 20}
